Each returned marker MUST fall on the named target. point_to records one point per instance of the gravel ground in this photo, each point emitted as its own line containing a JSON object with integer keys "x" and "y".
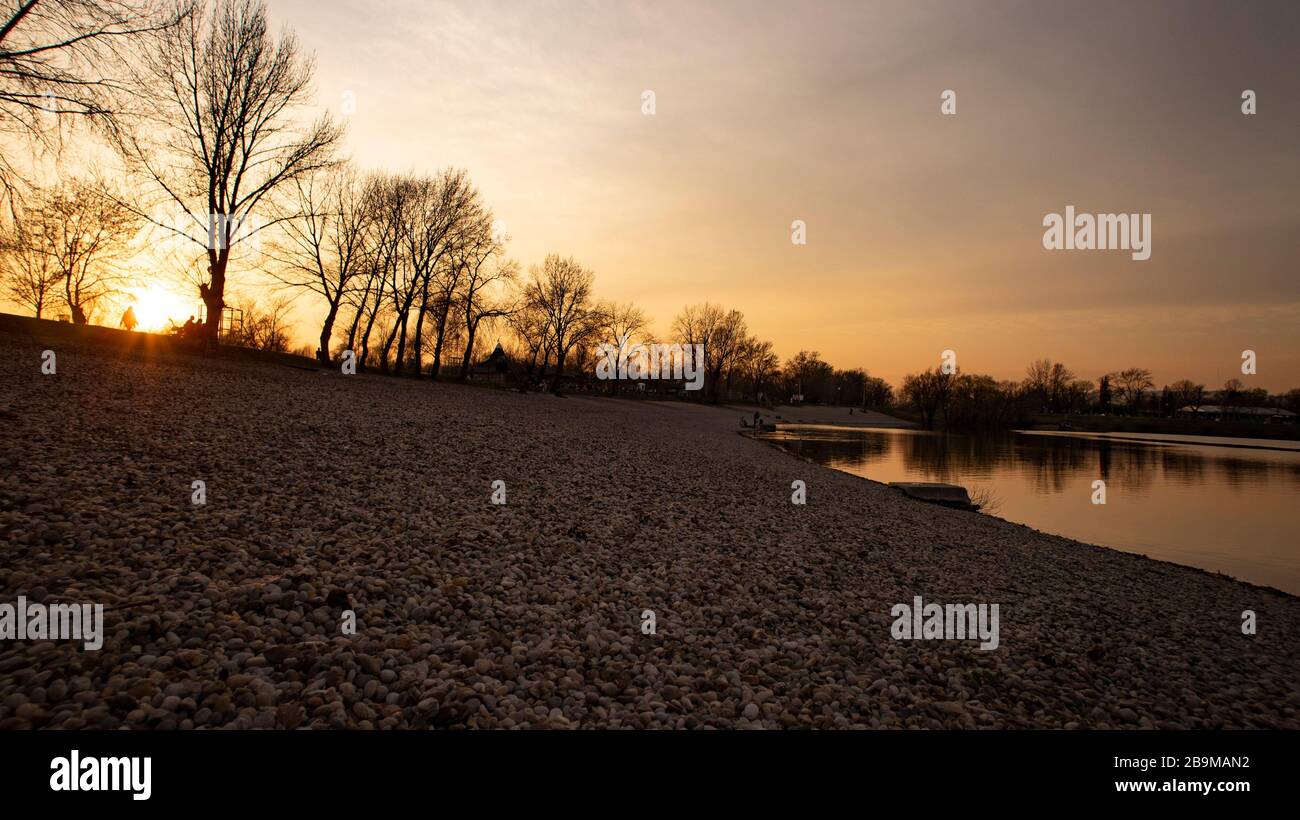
{"x": 328, "y": 492}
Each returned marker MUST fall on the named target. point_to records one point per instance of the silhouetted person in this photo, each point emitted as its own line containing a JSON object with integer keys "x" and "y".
{"x": 128, "y": 318}
{"x": 189, "y": 328}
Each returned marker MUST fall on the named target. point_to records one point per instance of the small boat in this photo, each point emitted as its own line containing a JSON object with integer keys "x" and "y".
{"x": 947, "y": 495}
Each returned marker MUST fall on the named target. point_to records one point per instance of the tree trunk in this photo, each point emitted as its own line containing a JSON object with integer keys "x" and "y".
{"x": 214, "y": 297}
{"x": 444, "y": 309}
{"x": 361, "y": 311}
{"x": 400, "y": 364}
{"x": 560, "y": 354}
{"x": 370, "y": 326}
{"x": 471, "y": 328}
{"x": 532, "y": 366}
{"x": 418, "y": 342}
{"x": 73, "y": 298}
{"x": 402, "y": 313}
{"x": 388, "y": 343}
{"x": 327, "y": 332}
{"x": 356, "y": 324}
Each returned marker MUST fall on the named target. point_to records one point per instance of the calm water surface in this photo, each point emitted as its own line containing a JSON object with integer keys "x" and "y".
{"x": 1184, "y": 499}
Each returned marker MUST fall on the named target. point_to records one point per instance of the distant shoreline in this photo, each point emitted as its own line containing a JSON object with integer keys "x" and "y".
{"x": 1275, "y": 445}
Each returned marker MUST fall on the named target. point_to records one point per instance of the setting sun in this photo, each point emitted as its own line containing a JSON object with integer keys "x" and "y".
{"x": 156, "y": 307}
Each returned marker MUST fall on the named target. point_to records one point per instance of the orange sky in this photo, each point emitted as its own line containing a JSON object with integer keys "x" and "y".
{"x": 924, "y": 231}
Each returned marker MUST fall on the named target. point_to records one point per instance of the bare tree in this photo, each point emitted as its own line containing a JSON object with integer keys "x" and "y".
{"x": 454, "y": 229}
{"x": 1187, "y": 393}
{"x": 27, "y": 267}
{"x": 723, "y": 334}
{"x": 1049, "y": 382}
{"x": 808, "y": 374}
{"x": 323, "y": 246}
{"x": 481, "y": 298}
{"x": 82, "y": 238}
{"x": 359, "y": 298}
{"x": 930, "y": 391}
{"x": 68, "y": 58}
{"x": 1104, "y": 391}
{"x": 758, "y": 366}
{"x": 89, "y": 236}
{"x": 369, "y": 269}
{"x": 1132, "y": 383}
{"x": 618, "y": 324}
{"x": 531, "y": 326}
{"x": 263, "y": 329}
{"x": 561, "y": 289}
{"x": 419, "y": 234}
{"x": 877, "y": 393}
{"x": 1074, "y": 398}
{"x": 383, "y": 245}
{"x": 217, "y": 131}
{"x": 1230, "y": 395}
{"x": 406, "y": 197}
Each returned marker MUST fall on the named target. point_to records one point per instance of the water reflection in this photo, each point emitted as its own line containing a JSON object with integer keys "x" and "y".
{"x": 1183, "y": 499}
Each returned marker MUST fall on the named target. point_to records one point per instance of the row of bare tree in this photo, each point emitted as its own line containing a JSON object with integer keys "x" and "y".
{"x": 204, "y": 105}
{"x": 398, "y": 254}
{"x": 206, "y": 108}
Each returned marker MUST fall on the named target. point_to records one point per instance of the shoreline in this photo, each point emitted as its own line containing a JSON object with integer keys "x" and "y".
{"x": 1211, "y": 573}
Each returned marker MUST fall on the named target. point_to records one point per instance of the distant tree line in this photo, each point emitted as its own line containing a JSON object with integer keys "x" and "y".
{"x": 965, "y": 402}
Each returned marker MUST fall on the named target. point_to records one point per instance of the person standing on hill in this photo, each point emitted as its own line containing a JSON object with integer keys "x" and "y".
{"x": 128, "y": 318}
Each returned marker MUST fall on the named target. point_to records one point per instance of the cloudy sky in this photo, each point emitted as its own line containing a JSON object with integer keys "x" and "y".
{"x": 924, "y": 231}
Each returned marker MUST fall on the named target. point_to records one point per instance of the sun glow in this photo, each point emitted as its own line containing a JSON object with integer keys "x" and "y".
{"x": 157, "y": 308}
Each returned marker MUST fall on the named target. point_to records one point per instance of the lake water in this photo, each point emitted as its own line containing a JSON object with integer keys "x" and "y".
{"x": 1185, "y": 499}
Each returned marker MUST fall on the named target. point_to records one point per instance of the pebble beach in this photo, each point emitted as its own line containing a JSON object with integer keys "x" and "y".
{"x": 328, "y": 494}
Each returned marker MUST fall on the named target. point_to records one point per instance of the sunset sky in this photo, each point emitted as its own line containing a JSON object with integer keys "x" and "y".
{"x": 924, "y": 231}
